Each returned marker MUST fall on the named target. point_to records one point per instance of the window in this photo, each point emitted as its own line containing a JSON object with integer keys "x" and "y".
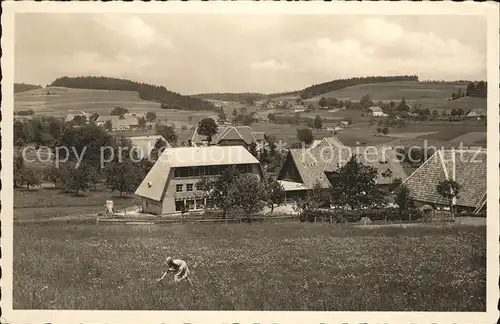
{"x": 184, "y": 172}
{"x": 199, "y": 204}
{"x": 244, "y": 168}
{"x": 178, "y": 188}
{"x": 190, "y": 204}
{"x": 178, "y": 205}
{"x": 189, "y": 187}
{"x": 177, "y": 173}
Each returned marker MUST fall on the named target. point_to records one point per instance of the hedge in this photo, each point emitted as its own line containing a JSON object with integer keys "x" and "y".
{"x": 350, "y": 216}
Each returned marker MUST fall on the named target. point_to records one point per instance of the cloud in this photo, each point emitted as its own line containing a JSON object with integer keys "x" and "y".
{"x": 271, "y": 64}
{"x": 192, "y": 53}
{"x": 135, "y": 28}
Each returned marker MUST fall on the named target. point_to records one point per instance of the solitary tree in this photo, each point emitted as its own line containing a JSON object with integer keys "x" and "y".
{"x": 150, "y": 116}
{"x": 248, "y": 194}
{"x": 385, "y": 130}
{"x": 75, "y": 179}
{"x": 108, "y": 125}
{"x": 305, "y": 135}
{"x": 218, "y": 191}
{"x": 207, "y": 127}
{"x": 142, "y": 123}
{"x": 402, "y": 197}
{"x": 119, "y": 111}
{"x": 318, "y": 122}
{"x": 366, "y": 101}
{"x": 354, "y": 185}
{"x": 119, "y": 176}
{"x": 274, "y": 193}
{"x": 222, "y": 118}
{"x": 168, "y": 133}
{"x": 449, "y": 190}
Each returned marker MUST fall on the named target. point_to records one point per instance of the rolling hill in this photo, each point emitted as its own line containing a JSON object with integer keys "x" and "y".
{"x": 146, "y": 91}
{"x": 20, "y": 87}
{"x": 62, "y": 101}
{"x": 387, "y": 91}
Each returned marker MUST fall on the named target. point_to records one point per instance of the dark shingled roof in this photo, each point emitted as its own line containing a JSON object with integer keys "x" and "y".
{"x": 245, "y": 133}
{"x": 470, "y": 173}
{"x": 309, "y": 168}
{"x": 312, "y": 164}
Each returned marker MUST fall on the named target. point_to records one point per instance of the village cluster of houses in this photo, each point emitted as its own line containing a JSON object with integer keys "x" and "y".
{"x": 125, "y": 122}
{"x": 172, "y": 181}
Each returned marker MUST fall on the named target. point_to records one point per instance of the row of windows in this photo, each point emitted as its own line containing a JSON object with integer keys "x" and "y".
{"x": 210, "y": 170}
{"x": 189, "y": 187}
{"x": 190, "y": 204}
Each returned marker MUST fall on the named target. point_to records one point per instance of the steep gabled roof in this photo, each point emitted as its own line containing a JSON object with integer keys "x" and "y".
{"x": 245, "y": 133}
{"x": 375, "y": 109}
{"x": 383, "y": 159}
{"x": 468, "y": 170}
{"x": 259, "y": 136}
{"x": 309, "y": 168}
{"x": 153, "y": 185}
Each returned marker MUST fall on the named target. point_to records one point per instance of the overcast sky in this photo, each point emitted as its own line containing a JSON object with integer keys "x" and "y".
{"x": 246, "y": 53}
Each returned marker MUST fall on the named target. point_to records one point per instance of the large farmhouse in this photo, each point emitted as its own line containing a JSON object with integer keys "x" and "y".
{"x": 231, "y": 135}
{"x": 303, "y": 169}
{"x": 376, "y": 112}
{"x": 466, "y": 167}
{"x": 172, "y": 180}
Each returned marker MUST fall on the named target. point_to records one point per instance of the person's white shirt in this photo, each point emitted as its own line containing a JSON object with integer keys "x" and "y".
{"x": 180, "y": 269}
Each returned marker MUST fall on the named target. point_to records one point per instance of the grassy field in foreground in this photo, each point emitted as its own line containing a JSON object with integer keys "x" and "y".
{"x": 52, "y": 202}
{"x": 251, "y": 267}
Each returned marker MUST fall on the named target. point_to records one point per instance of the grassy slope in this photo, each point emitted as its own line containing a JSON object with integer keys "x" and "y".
{"x": 430, "y": 95}
{"x": 387, "y": 91}
{"x": 66, "y": 100}
{"x": 258, "y": 267}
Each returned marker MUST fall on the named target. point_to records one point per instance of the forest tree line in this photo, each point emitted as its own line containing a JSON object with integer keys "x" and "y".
{"x": 318, "y": 89}
{"x": 21, "y": 87}
{"x": 146, "y": 91}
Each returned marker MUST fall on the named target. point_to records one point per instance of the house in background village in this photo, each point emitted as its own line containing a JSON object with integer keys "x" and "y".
{"x": 82, "y": 114}
{"x": 119, "y": 123}
{"x": 230, "y": 136}
{"x": 144, "y": 145}
{"x": 301, "y": 170}
{"x": 376, "y": 112}
{"x": 260, "y": 116}
{"x": 477, "y": 114}
{"x": 466, "y": 167}
{"x": 172, "y": 181}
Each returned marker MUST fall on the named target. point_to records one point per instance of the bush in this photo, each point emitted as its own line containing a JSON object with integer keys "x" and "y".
{"x": 354, "y": 216}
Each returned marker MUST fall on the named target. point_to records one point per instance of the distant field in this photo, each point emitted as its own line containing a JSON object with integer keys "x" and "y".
{"x": 429, "y": 95}
{"x": 466, "y": 104}
{"x": 287, "y": 267}
{"x": 386, "y": 91}
{"x": 66, "y": 100}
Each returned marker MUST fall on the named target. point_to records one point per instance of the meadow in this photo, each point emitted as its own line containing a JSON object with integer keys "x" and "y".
{"x": 387, "y": 91}
{"x": 47, "y": 202}
{"x": 289, "y": 266}
{"x": 63, "y": 101}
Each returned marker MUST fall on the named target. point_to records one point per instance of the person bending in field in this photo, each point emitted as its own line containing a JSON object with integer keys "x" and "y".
{"x": 180, "y": 269}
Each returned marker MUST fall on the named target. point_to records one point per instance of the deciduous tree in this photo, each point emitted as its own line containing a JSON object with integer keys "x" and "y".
{"x": 207, "y": 127}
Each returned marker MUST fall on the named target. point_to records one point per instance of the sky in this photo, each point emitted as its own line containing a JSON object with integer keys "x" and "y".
{"x": 195, "y": 53}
